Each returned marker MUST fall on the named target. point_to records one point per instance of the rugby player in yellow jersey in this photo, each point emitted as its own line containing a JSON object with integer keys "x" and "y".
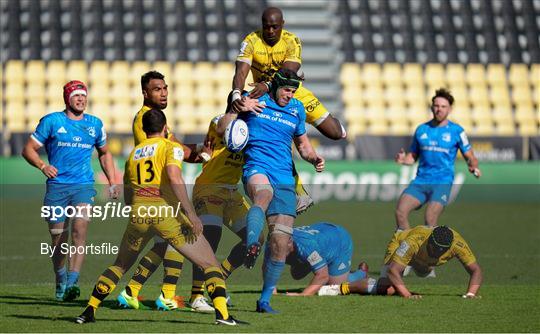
{"x": 218, "y": 202}
{"x": 423, "y": 248}
{"x": 153, "y": 179}
{"x": 155, "y": 93}
{"x": 264, "y": 52}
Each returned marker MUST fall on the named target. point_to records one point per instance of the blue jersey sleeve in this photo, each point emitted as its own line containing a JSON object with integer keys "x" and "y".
{"x": 101, "y": 139}
{"x": 301, "y": 125}
{"x": 415, "y": 147}
{"x": 43, "y": 130}
{"x": 463, "y": 142}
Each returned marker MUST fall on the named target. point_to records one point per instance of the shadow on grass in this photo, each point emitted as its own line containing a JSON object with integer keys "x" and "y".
{"x": 72, "y": 319}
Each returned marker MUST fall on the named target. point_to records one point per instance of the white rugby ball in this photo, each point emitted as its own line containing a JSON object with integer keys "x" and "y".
{"x": 236, "y": 135}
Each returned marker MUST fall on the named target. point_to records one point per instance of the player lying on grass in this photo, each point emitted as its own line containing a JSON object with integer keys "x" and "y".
{"x": 422, "y": 248}
{"x": 324, "y": 249}
{"x": 153, "y": 179}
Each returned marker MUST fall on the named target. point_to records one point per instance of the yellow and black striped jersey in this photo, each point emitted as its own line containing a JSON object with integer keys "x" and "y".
{"x": 224, "y": 167}
{"x": 265, "y": 60}
{"x": 146, "y": 172}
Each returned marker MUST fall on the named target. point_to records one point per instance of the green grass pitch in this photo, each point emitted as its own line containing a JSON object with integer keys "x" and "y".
{"x": 504, "y": 236}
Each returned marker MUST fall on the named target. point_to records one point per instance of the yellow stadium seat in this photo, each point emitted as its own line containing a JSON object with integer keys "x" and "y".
{"x": 204, "y": 93}
{"x": 394, "y": 96}
{"x": 77, "y": 70}
{"x": 355, "y": 114}
{"x": 435, "y": 75}
{"x": 496, "y": 75}
{"x": 35, "y": 72}
{"x": 204, "y": 73}
{"x": 205, "y": 112}
{"x": 136, "y": 71}
{"x": 183, "y": 74}
{"x": 414, "y": 94}
{"x": 100, "y": 92}
{"x": 499, "y": 95}
{"x": 223, "y": 73}
{"x": 119, "y": 72}
{"x": 122, "y": 117}
{"x": 222, "y": 92}
{"x": 14, "y": 115}
{"x": 528, "y": 129}
{"x": 455, "y": 74}
{"x": 396, "y": 114}
{"x": 482, "y": 114}
{"x": 54, "y": 95}
{"x": 476, "y": 75}
{"x": 502, "y": 115}
{"x": 478, "y": 95}
{"x": 14, "y": 72}
{"x": 373, "y": 94}
{"x": 184, "y": 94}
{"x": 535, "y": 75}
{"x": 459, "y": 92}
{"x": 371, "y": 74}
{"x": 14, "y": 91}
{"x": 99, "y": 72}
{"x": 399, "y": 128}
{"x": 356, "y": 129}
{"x": 55, "y": 106}
{"x": 378, "y": 127}
{"x": 505, "y": 129}
{"x": 35, "y": 92}
{"x": 413, "y": 75}
{"x": 165, "y": 68}
{"x": 56, "y": 73}
{"x": 518, "y": 75}
{"x": 34, "y": 111}
{"x": 484, "y": 129}
{"x": 350, "y": 74}
{"x": 524, "y": 114}
{"x": 121, "y": 91}
{"x": 103, "y": 111}
{"x": 521, "y": 95}
{"x": 391, "y": 74}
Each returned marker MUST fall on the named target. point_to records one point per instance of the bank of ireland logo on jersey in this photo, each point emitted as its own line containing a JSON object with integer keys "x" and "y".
{"x": 446, "y": 137}
{"x": 92, "y": 131}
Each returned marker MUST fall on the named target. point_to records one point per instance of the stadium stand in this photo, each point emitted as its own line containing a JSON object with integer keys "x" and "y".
{"x": 391, "y": 56}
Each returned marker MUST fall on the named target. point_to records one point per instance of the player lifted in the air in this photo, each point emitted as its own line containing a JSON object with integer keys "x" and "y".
{"x": 264, "y": 52}
{"x": 153, "y": 178}
{"x": 422, "y": 248}
{"x": 275, "y": 120}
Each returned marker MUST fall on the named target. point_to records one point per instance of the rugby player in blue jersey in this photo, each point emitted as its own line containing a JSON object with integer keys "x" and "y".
{"x": 435, "y": 145}
{"x": 274, "y": 120}
{"x": 325, "y": 250}
{"x": 69, "y": 138}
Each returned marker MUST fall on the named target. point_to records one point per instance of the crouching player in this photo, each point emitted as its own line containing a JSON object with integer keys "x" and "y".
{"x": 324, "y": 249}
{"x": 153, "y": 177}
{"x": 422, "y": 248}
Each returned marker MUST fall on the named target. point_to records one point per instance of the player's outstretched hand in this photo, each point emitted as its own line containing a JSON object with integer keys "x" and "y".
{"x": 415, "y": 297}
{"x": 114, "y": 191}
{"x": 50, "y": 171}
{"x": 319, "y": 164}
{"x": 251, "y": 105}
{"x": 259, "y": 90}
{"x": 237, "y": 105}
{"x": 400, "y": 156}
{"x": 206, "y": 150}
{"x": 475, "y": 171}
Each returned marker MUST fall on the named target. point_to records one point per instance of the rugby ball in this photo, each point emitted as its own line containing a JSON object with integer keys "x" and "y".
{"x": 236, "y": 135}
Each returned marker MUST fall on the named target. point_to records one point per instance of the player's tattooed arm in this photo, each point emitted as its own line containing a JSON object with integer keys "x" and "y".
{"x": 472, "y": 163}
